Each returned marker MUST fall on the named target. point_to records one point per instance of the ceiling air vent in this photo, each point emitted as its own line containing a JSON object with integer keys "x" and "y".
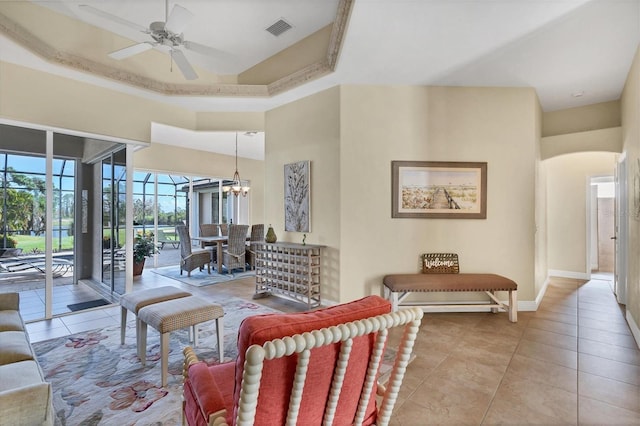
{"x": 279, "y": 27}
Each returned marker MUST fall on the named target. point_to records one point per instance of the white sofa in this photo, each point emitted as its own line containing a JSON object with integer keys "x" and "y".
{"x": 25, "y": 396}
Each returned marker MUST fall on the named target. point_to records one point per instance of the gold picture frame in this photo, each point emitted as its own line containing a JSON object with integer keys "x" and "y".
{"x": 439, "y": 189}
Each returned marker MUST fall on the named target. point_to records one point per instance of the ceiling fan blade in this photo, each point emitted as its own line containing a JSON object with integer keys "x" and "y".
{"x": 114, "y": 18}
{"x": 184, "y": 65}
{"x": 178, "y": 19}
{"x": 207, "y": 51}
{"x": 131, "y": 50}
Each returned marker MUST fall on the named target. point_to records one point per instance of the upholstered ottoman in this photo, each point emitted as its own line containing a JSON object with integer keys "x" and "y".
{"x": 174, "y": 315}
{"x": 139, "y": 299}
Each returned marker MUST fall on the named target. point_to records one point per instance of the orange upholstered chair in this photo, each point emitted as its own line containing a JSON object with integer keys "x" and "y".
{"x": 310, "y": 368}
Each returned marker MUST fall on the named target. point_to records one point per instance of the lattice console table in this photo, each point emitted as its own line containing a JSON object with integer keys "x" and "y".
{"x": 290, "y": 270}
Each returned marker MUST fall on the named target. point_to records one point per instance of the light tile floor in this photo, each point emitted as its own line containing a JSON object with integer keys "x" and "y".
{"x": 574, "y": 361}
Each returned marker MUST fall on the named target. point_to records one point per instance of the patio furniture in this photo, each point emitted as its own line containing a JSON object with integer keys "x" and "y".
{"x": 324, "y": 372}
{"x": 191, "y": 259}
{"x": 233, "y": 256}
{"x": 224, "y": 229}
{"x": 174, "y": 315}
{"x": 162, "y": 239}
{"x": 257, "y": 235}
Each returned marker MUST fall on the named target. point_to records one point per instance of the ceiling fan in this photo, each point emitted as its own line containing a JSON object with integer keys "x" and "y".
{"x": 166, "y": 36}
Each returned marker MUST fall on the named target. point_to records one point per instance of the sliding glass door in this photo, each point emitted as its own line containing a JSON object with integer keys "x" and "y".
{"x": 114, "y": 237}
{"x": 52, "y": 242}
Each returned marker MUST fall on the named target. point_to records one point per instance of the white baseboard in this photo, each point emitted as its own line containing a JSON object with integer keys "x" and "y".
{"x": 569, "y": 274}
{"x": 527, "y": 305}
{"x": 542, "y": 292}
{"x": 635, "y": 330}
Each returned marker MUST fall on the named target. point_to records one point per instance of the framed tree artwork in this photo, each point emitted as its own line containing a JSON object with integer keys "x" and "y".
{"x": 297, "y": 197}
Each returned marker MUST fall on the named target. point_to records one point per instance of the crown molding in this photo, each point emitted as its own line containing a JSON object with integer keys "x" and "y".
{"x": 24, "y": 37}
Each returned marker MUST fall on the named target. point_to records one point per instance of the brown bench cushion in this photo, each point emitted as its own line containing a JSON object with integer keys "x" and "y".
{"x": 448, "y": 282}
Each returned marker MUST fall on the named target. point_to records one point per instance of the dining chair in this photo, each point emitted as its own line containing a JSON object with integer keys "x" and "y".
{"x": 224, "y": 229}
{"x": 209, "y": 230}
{"x": 257, "y": 235}
{"x": 191, "y": 259}
{"x": 233, "y": 256}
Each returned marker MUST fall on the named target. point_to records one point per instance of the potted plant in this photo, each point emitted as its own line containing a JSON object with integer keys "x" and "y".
{"x": 143, "y": 247}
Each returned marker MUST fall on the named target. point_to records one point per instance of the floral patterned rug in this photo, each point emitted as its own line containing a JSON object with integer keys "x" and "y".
{"x": 98, "y": 381}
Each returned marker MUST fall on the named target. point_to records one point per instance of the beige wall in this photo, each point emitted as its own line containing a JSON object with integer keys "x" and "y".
{"x": 573, "y": 120}
{"x": 609, "y": 139}
{"x": 382, "y": 124}
{"x": 309, "y": 129}
{"x": 230, "y": 121}
{"x": 567, "y": 191}
{"x": 45, "y": 99}
{"x": 631, "y": 140}
{"x": 541, "y": 220}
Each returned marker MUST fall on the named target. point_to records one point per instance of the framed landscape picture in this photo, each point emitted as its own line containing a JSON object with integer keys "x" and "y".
{"x": 297, "y": 206}
{"x": 438, "y": 189}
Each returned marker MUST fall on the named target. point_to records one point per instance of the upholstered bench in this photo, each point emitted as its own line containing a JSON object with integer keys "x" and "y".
{"x": 399, "y": 286}
{"x": 174, "y": 315}
{"x": 139, "y": 299}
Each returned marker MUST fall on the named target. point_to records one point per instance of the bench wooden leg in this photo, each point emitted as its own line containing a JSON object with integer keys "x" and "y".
{"x": 494, "y": 310}
{"x": 392, "y": 297}
{"x": 513, "y": 306}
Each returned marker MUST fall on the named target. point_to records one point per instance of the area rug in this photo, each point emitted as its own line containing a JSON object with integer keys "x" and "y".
{"x": 201, "y": 278}
{"x": 97, "y": 381}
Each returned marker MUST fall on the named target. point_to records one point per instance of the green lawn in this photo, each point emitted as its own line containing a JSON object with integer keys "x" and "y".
{"x": 30, "y": 244}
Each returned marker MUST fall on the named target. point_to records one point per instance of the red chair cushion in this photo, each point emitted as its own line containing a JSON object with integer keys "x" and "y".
{"x": 277, "y": 375}
{"x": 208, "y": 389}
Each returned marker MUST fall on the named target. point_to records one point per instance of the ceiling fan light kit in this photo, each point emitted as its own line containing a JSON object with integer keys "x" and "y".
{"x": 166, "y": 36}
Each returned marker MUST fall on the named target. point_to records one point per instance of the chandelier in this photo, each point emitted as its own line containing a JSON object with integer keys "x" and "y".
{"x": 236, "y": 186}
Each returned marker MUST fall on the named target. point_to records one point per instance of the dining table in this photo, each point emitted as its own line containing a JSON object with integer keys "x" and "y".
{"x": 219, "y": 240}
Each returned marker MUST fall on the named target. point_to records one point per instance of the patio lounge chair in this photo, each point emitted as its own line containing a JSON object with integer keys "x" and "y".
{"x": 162, "y": 239}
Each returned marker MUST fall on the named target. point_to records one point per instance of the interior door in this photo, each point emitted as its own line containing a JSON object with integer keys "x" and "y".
{"x": 620, "y": 232}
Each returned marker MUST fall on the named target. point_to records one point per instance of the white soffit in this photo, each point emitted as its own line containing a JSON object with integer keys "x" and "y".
{"x": 249, "y": 145}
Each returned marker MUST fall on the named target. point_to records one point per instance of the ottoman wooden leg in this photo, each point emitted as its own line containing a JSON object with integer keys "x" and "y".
{"x": 195, "y": 335}
{"x": 164, "y": 357}
{"x": 220, "y": 334}
{"x": 142, "y": 343}
{"x": 123, "y": 324}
